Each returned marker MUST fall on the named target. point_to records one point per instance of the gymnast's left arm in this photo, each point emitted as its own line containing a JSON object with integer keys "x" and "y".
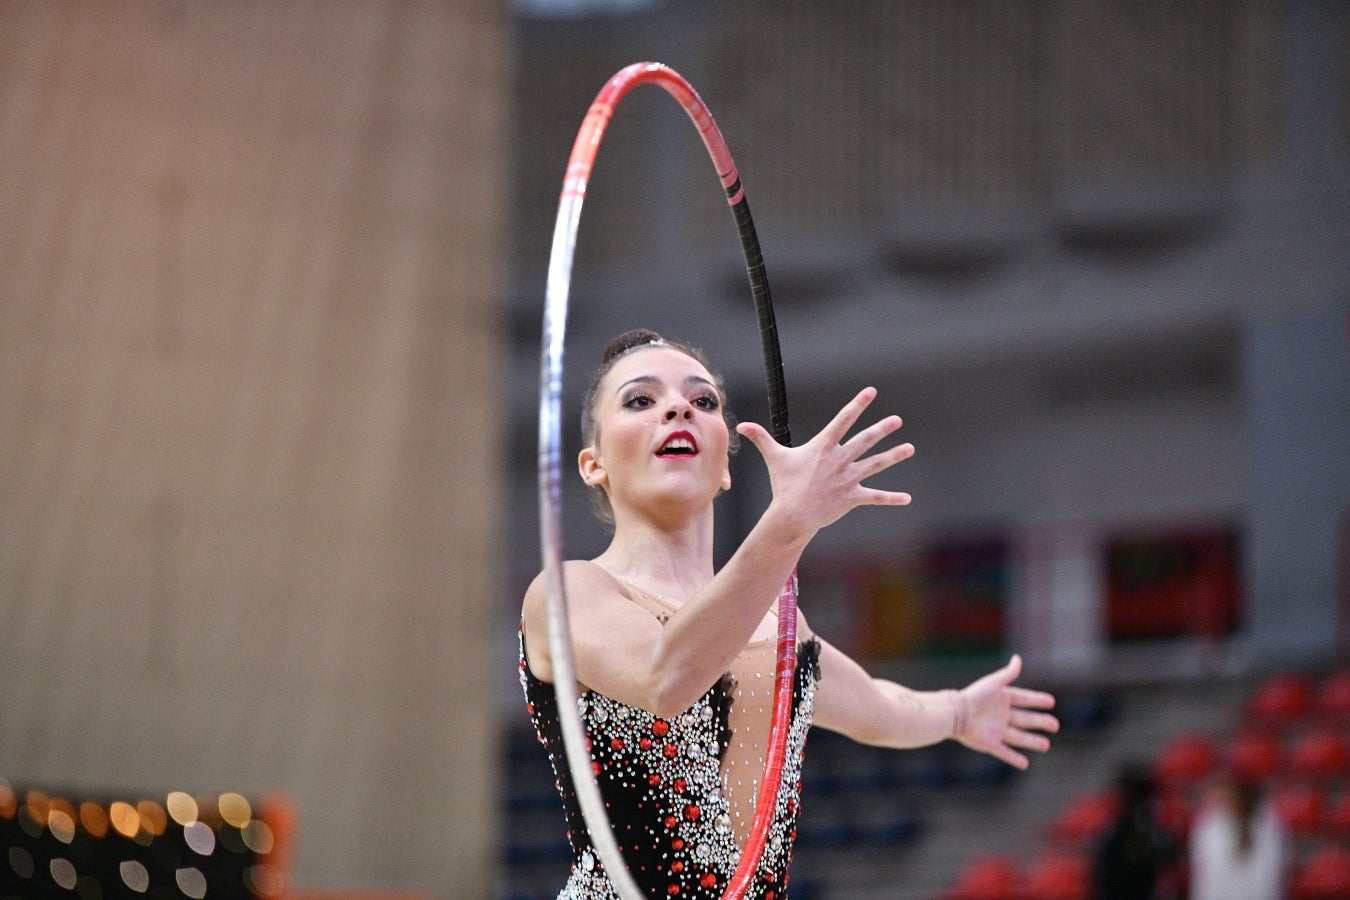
{"x": 990, "y": 715}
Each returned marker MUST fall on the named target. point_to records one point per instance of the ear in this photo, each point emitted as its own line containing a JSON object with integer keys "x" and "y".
{"x": 592, "y": 470}
{"x": 726, "y": 477}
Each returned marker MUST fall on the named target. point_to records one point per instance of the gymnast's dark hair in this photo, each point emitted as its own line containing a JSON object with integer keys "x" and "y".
{"x": 616, "y": 349}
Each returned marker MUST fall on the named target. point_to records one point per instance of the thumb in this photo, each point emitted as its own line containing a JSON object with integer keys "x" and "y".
{"x": 999, "y": 678}
{"x": 755, "y": 434}
{"x": 1008, "y": 674}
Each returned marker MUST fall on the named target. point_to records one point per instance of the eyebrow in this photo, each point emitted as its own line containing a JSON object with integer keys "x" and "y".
{"x": 652, "y": 379}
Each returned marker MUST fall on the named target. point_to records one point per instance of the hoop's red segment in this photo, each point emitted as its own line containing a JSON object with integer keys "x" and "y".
{"x": 575, "y": 181}
{"x": 778, "y": 736}
{"x": 593, "y": 127}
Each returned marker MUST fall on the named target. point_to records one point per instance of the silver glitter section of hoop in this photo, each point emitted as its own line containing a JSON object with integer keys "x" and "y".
{"x": 550, "y": 536}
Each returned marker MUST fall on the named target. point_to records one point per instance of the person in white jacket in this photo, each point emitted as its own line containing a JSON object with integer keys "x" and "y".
{"x": 1238, "y": 846}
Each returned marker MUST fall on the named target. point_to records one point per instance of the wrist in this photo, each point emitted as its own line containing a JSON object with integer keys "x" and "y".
{"x": 785, "y": 528}
{"x": 958, "y": 708}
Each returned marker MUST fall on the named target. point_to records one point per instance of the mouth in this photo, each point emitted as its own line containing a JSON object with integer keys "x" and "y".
{"x": 680, "y": 443}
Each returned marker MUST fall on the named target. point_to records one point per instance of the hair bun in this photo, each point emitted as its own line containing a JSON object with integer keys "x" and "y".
{"x": 631, "y": 340}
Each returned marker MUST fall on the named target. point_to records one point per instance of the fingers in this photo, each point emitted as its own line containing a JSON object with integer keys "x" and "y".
{"x": 876, "y": 497}
{"x": 865, "y": 440}
{"x": 848, "y": 416}
{"x": 1021, "y": 724}
{"x": 882, "y": 461}
{"x": 1025, "y": 730}
{"x": 1031, "y": 699}
{"x": 870, "y": 436}
{"x": 1027, "y": 740}
{"x": 1028, "y": 721}
{"x": 823, "y": 477}
{"x": 1010, "y": 756}
{"x": 1020, "y": 696}
{"x": 1014, "y": 737}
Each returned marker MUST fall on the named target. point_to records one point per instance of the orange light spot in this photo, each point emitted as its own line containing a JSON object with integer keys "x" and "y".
{"x": 94, "y": 819}
{"x": 124, "y": 818}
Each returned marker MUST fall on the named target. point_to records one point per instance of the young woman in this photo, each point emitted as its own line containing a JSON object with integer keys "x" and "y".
{"x": 675, "y": 661}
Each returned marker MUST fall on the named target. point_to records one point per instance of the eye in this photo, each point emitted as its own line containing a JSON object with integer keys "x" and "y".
{"x": 637, "y": 400}
{"x": 708, "y": 402}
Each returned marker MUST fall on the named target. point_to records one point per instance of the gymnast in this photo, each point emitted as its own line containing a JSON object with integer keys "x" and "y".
{"x": 674, "y": 660}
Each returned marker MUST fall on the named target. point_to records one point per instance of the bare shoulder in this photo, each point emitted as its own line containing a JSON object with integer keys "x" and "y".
{"x": 587, "y": 586}
{"x": 583, "y": 580}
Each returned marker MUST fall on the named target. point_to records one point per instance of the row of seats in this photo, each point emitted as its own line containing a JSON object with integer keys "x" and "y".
{"x": 1065, "y": 876}
{"x": 1288, "y": 699}
{"x": 1292, "y": 736}
{"x": 1320, "y": 754}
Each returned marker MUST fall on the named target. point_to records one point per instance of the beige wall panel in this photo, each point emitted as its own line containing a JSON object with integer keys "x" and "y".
{"x": 249, "y": 414}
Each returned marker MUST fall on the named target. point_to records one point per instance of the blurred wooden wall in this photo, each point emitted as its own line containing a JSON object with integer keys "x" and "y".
{"x": 248, "y": 416}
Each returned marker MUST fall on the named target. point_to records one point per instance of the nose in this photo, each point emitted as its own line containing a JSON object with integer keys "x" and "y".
{"x": 677, "y": 408}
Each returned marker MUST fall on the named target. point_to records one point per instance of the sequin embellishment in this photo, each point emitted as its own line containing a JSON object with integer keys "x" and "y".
{"x": 663, "y": 787}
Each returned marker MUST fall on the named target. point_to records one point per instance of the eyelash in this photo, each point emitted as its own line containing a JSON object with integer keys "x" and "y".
{"x": 637, "y": 400}
{"x": 640, "y": 400}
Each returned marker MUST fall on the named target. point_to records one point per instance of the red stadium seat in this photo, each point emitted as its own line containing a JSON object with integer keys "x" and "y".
{"x": 1281, "y": 700}
{"x": 1185, "y": 760}
{"x": 990, "y": 877}
{"x": 1085, "y": 818}
{"x": 1337, "y": 821}
{"x": 1333, "y": 697}
{"x": 1321, "y": 752}
{"x": 1255, "y": 756}
{"x": 1059, "y": 877}
{"x": 1325, "y": 876}
{"x": 1302, "y": 808}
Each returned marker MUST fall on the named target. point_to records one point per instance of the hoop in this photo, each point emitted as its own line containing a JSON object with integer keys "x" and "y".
{"x": 579, "y": 167}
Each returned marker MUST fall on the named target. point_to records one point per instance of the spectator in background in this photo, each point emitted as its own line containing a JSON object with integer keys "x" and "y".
{"x": 1237, "y": 845}
{"x": 1133, "y": 857}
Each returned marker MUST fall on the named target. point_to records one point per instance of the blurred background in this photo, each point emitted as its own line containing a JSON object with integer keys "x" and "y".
{"x": 271, "y": 285}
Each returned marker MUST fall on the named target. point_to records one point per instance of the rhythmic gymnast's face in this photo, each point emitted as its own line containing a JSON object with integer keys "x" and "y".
{"x": 660, "y": 435}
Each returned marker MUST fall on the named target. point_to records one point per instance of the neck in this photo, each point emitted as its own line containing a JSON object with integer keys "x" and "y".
{"x": 673, "y": 560}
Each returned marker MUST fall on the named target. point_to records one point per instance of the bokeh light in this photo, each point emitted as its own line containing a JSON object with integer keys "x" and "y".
{"x": 134, "y": 876}
{"x": 94, "y": 819}
{"x": 62, "y": 827}
{"x": 63, "y": 873}
{"x": 191, "y": 882}
{"x": 264, "y": 881}
{"x": 235, "y": 810}
{"x": 21, "y": 861}
{"x": 31, "y": 825}
{"x": 182, "y": 808}
{"x": 125, "y": 820}
{"x": 174, "y": 845}
{"x": 257, "y": 836}
{"x": 9, "y": 804}
{"x": 199, "y": 837}
{"x": 153, "y": 819}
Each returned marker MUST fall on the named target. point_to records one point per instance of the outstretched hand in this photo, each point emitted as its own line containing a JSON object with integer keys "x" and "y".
{"x": 821, "y": 480}
{"x": 996, "y": 718}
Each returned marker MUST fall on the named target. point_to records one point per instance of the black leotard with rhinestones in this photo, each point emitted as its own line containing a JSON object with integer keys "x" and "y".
{"x": 666, "y": 789}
